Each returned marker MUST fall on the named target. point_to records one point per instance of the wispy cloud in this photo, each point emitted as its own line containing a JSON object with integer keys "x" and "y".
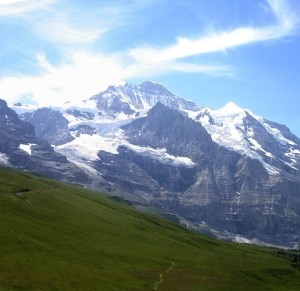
{"x": 83, "y": 73}
{"x": 81, "y": 78}
{"x": 86, "y": 74}
{"x": 17, "y": 7}
{"x": 286, "y": 17}
{"x": 221, "y": 41}
{"x": 59, "y": 30}
{"x": 147, "y": 70}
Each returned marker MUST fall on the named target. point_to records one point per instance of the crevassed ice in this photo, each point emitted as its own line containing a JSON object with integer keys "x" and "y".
{"x": 87, "y": 147}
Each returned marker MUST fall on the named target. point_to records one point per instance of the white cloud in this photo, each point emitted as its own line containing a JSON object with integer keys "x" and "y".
{"x": 287, "y": 19}
{"x": 220, "y": 41}
{"x": 84, "y": 74}
{"x": 17, "y": 7}
{"x": 61, "y": 31}
{"x": 53, "y": 21}
{"x": 161, "y": 67}
{"x": 66, "y": 23}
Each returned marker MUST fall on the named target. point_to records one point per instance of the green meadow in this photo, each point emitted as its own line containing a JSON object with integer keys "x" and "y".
{"x": 55, "y": 236}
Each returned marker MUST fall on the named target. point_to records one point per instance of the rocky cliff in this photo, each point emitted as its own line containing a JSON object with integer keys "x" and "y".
{"x": 19, "y": 147}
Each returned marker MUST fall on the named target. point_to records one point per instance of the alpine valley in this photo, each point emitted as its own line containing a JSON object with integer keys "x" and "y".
{"x": 227, "y": 172}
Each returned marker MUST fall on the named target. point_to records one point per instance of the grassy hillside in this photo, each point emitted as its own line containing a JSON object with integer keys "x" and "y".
{"x": 57, "y": 237}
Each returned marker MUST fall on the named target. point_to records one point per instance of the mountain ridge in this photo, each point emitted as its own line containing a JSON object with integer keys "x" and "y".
{"x": 22, "y": 149}
{"x": 227, "y": 169}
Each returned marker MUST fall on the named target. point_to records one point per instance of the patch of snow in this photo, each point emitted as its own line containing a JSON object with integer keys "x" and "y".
{"x": 257, "y": 146}
{"x": 228, "y": 131}
{"x": 24, "y": 108}
{"x": 191, "y": 114}
{"x": 80, "y": 105}
{"x": 241, "y": 239}
{"x": 292, "y": 152}
{"x": 295, "y": 151}
{"x": 270, "y": 169}
{"x": 26, "y": 147}
{"x": 162, "y": 156}
{"x": 85, "y": 167}
{"x": 4, "y": 159}
{"x": 226, "y": 235}
{"x": 290, "y": 165}
{"x": 102, "y": 124}
{"x": 87, "y": 147}
{"x": 230, "y": 120}
{"x": 276, "y": 133}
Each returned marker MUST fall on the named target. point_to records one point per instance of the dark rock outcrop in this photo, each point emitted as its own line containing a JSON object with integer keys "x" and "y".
{"x": 51, "y": 126}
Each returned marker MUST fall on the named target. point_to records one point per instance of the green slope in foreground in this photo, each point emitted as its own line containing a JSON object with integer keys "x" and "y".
{"x": 55, "y": 236}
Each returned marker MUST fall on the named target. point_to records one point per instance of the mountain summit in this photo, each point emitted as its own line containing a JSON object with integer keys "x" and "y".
{"x": 226, "y": 171}
{"x": 130, "y": 99}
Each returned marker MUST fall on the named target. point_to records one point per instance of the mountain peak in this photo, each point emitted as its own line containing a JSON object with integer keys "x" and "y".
{"x": 231, "y": 108}
{"x": 147, "y": 86}
{"x": 131, "y": 99}
{"x": 154, "y": 88}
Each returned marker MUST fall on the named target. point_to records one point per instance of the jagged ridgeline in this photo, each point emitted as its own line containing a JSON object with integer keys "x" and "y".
{"x": 55, "y": 236}
{"x": 227, "y": 171}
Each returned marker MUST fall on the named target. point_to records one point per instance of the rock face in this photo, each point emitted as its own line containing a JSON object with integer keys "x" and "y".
{"x": 24, "y": 150}
{"x": 51, "y": 126}
{"x": 226, "y": 170}
{"x": 169, "y": 129}
{"x": 222, "y": 189}
{"x": 130, "y": 99}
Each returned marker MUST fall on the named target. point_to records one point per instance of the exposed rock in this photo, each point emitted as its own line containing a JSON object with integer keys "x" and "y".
{"x": 51, "y": 126}
{"x": 81, "y": 114}
{"x": 83, "y": 129}
{"x": 227, "y": 170}
{"x": 225, "y": 190}
{"x": 26, "y": 151}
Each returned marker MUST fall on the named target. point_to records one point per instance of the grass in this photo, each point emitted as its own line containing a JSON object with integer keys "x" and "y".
{"x": 54, "y": 236}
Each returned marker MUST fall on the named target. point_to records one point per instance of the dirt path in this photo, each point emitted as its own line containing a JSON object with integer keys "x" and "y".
{"x": 162, "y": 274}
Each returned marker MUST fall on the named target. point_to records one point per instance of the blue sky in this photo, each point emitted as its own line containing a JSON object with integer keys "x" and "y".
{"x": 208, "y": 51}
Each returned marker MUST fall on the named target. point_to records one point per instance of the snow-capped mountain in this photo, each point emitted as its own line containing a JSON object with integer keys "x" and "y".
{"x": 94, "y": 124}
{"x": 227, "y": 169}
{"x": 248, "y": 134}
{"x": 20, "y": 148}
{"x": 130, "y": 99}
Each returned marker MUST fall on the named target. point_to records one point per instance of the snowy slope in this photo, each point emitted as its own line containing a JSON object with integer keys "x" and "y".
{"x": 132, "y": 99}
{"x": 106, "y": 112}
{"x": 95, "y": 125}
{"x": 249, "y": 134}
